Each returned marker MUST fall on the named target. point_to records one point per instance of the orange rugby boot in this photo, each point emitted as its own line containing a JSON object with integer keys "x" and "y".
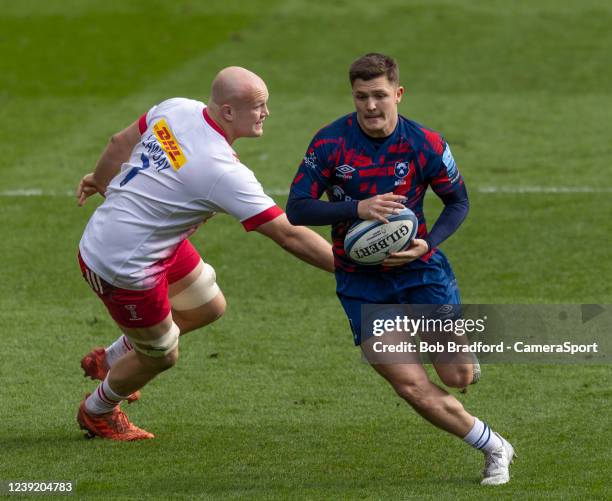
{"x": 94, "y": 366}
{"x": 115, "y": 425}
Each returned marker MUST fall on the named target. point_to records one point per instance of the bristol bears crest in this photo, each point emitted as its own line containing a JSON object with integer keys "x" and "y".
{"x": 401, "y": 171}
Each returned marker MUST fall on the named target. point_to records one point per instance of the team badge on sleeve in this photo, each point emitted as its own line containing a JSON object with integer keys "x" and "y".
{"x": 169, "y": 144}
{"x": 449, "y": 163}
{"x": 310, "y": 160}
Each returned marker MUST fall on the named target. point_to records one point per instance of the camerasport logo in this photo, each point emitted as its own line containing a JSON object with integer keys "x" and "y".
{"x": 170, "y": 145}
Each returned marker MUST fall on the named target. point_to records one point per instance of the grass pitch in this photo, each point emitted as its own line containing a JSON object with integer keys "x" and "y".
{"x": 272, "y": 401}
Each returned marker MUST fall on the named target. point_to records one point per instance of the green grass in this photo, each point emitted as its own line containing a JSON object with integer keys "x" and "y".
{"x": 272, "y": 401}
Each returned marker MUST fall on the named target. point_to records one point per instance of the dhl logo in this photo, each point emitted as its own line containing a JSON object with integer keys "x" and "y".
{"x": 169, "y": 144}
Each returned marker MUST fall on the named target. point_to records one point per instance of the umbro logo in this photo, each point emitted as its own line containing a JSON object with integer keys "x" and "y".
{"x": 345, "y": 171}
{"x": 446, "y": 309}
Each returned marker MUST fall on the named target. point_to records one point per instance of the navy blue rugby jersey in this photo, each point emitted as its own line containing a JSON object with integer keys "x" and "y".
{"x": 347, "y": 165}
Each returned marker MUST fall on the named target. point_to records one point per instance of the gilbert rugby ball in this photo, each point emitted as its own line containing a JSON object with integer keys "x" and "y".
{"x": 370, "y": 242}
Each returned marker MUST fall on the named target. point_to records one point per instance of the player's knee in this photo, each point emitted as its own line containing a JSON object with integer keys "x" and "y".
{"x": 459, "y": 377}
{"x": 213, "y": 310}
{"x": 168, "y": 361}
{"x": 195, "y": 319}
{"x": 162, "y": 363}
{"x": 219, "y": 307}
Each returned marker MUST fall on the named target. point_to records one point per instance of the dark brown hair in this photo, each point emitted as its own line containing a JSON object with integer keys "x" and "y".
{"x": 374, "y": 65}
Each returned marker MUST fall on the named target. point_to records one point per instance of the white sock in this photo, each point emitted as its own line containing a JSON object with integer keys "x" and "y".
{"x": 103, "y": 399}
{"x": 115, "y": 351}
{"x": 481, "y": 437}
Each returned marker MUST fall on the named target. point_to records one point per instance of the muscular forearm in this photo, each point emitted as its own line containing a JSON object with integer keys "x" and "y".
{"x": 300, "y": 241}
{"x": 310, "y": 247}
{"x": 116, "y": 153}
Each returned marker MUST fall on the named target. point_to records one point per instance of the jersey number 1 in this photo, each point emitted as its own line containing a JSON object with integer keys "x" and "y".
{"x": 135, "y": 170}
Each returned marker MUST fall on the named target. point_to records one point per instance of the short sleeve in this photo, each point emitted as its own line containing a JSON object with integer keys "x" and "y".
{"x": 143, "y": 121}
{"x": 239, "y": 194}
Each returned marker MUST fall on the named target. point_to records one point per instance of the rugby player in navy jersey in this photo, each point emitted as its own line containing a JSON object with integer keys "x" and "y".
{"x": 371, "y": 163}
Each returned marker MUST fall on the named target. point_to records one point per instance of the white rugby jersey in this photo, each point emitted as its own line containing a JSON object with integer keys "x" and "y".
{"x": 181, "y": 173}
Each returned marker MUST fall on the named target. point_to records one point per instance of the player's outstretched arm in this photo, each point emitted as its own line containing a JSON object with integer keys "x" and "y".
{"x": 114, "y": 155}
{"x": 300, "y": 241}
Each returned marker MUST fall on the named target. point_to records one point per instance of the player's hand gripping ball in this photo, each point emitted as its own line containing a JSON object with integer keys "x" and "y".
{"x": 370, "y": 242}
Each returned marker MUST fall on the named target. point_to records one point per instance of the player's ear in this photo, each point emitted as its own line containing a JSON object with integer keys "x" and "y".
{"x": 398, "y": 94}
{"x": 227, "y": 112}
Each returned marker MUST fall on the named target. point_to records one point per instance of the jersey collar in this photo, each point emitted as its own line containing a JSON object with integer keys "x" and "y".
{"x": 370, "y": 141}
{"x": 213, "y": 124}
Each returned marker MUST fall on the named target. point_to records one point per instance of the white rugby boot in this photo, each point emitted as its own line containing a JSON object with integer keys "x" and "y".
{"x": 497, "y": 464}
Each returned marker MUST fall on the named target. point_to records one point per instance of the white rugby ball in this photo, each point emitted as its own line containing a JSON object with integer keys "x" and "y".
{"x": 370, "y": 242}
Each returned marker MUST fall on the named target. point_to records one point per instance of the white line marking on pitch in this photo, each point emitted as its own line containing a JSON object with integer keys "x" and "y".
{"x": 512, "y": 189}
{"x": 36, "y": 192}
{"x": 542, "y": 189}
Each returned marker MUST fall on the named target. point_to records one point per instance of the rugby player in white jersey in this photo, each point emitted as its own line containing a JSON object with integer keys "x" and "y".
{"x": 162, "y": 177}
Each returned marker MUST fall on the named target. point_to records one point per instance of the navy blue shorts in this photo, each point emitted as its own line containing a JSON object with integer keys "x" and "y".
{"x": 432, "y": 282}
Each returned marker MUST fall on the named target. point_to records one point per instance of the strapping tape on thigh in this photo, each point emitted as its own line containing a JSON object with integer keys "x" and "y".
{"x": 200, "y": 292}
